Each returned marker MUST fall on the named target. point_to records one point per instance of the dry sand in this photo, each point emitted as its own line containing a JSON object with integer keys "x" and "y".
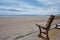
{"x": 11, "y": 28}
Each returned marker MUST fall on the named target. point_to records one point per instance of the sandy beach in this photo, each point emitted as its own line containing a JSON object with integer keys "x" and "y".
{"x": 13, "y": 27}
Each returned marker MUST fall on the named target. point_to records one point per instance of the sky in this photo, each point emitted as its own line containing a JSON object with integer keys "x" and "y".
{"x": 30, "y": 7}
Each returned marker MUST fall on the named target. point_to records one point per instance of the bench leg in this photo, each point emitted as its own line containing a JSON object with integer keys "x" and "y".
{"x": 56, "y": 26}
{"x": 39, "y": 33}
{"x": 39, "y": 30}
{"x": 47, "y": 36}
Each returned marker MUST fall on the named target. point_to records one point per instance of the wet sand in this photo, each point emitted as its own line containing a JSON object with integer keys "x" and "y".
{"x": 11, "y": 28}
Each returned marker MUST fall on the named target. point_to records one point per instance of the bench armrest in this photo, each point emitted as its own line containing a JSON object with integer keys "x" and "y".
{"x": 41, "y": 26}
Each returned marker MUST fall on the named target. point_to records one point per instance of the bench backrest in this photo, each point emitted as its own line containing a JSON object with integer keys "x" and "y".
{"x": 49, "y": 22}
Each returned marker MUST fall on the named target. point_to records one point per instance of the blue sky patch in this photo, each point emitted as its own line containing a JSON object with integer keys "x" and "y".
{"x": 36, "y": 7}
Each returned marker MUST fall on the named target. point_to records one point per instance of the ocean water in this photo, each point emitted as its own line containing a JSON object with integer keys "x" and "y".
{"x": 23, "y": 15}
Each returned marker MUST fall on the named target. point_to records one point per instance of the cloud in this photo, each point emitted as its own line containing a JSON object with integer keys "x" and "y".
{"x": 33, "y": 2}
{"x": 13, "y": 10}
{"x": 37, "y": 7}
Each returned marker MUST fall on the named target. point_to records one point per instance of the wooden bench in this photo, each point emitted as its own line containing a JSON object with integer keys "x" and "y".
{"x": 45, "y": 28}
{"x": 57, "y": 26}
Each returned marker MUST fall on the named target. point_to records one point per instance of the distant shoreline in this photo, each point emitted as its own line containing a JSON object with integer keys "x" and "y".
{"x": 23, "y": 16}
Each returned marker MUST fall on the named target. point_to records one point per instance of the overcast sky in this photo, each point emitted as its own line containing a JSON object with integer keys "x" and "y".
{"x": 18, "y": 7}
